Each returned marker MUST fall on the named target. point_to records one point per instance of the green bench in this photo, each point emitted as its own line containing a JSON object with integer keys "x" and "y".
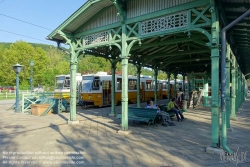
{"x": 141, "y": 114}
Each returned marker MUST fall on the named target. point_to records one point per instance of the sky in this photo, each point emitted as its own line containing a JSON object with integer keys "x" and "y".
{"x": 33, "y": 20}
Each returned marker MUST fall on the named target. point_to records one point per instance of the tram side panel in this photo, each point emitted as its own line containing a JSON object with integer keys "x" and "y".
{"x": 96, "y": 90}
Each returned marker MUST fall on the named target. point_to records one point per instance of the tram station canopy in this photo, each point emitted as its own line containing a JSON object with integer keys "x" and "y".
{"x": 173, "y": 36}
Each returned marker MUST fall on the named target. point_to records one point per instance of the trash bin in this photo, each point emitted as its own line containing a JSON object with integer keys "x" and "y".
{"x": 38, "y": 109}
{"x": 184, "y": 105}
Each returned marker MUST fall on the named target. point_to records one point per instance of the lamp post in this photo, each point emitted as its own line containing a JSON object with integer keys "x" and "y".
{"x": 31, "y": 74}
{"x": 17, "y": 68}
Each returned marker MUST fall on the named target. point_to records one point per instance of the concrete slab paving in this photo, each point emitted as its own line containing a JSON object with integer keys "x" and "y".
{"x": 94, "y": 141}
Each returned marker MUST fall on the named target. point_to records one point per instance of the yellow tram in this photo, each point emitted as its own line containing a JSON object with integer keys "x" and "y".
{"x": 62, "y": 85}
{"x": 96, "y": 89}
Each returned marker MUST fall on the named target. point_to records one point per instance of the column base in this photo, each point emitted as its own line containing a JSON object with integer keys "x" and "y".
{"x": 213, "y": 150}
{"x": 230, "y": 129}
{"x": 124, "y": 132}
{"x": 112, "y": 115}
{"x": 73, "y": 122}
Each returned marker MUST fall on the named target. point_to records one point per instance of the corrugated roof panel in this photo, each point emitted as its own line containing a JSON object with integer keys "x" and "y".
{"x": 237, "y": 1}
{"x": 241, "y": 9}
{"x": 109, "y": 17}
{"x": 87, "y": 14}
{"x": 141, "y": 7}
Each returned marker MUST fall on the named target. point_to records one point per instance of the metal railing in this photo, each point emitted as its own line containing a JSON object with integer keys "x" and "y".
{"x": 33, "y": 98}
{"x": 12, "y": 94}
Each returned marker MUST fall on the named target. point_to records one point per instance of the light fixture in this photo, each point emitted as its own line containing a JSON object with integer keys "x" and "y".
{"x": 17, "y": 68}
{"x": 139, "y": 43}
{"x": 139, "y": 56}
{"x": 161, "y": 62}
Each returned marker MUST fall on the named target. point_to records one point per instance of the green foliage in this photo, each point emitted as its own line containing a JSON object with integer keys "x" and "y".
{"x": 49, "y": 61}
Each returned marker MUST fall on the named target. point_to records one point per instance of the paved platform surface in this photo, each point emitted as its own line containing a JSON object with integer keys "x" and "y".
{"x": 27, "y": 140}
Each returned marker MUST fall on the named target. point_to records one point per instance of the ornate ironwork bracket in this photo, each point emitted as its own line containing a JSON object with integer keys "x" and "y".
{"x": 121, "y": 7}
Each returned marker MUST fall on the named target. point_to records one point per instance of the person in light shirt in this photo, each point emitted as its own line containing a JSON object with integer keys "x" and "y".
{"x": 165, "y": 117}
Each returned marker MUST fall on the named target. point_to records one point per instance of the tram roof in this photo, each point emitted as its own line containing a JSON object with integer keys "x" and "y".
{"x": 179, "y": 52}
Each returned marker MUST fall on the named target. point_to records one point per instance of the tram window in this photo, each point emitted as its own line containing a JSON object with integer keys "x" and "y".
{"x": 106, "y": 85}
{"x": 164, "y": 85}
{"x": 119, "y": 84}
{"x": 67, "y": 83}
{"x": 96, "y": 84}
{"x": 131, "y": 84}
{"x": 149, "y": 85}
{"x": 178, "y": 86}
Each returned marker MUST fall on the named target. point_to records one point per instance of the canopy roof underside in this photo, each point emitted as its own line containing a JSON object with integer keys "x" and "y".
{"x": 178, "y": 52}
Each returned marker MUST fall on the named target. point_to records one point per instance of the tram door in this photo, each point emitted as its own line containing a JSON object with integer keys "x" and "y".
{"x": 160, "y": 91}
{"x": 106, "y": 92}
{"x": 142, "y": 87}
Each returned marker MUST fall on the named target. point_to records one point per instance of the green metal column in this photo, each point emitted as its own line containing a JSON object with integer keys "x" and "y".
{"x": 242, "y": 86}
{"x": 241, "y": 90}
{"x": 238, "y": 90}
{"x": 193, "y": 83}
{"x": 156, "y": 85}
{"x": 215, "y": 114}
{"x": 138, "y": 86}
{"x": 73, "y": 69}
{"x": 233, "y": 90}
{"x": 183, "y": 83}
{"x": 239, "y": 84}
{"x": 240, "y": 78}
{"x": 205, "y": 89}
{"x": 188, "y": 86}
{"x": 244, "y": 89}
{"x": 124, "y": 57}
{"x": 175, "y": 77}
{"x": 113, "y": 68}
{"x": 228, "y": 86}
{"x": 169, "y": 93}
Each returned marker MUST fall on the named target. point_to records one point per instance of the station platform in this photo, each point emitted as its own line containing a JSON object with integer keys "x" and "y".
{"x": 27, "y": 140}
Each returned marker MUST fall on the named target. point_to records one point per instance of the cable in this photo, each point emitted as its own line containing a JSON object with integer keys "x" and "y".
{"x": 25, "y": 21}
{"x": 24, "y": 36}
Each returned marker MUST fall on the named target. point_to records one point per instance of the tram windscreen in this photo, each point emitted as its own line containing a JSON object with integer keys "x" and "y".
{"x": 87, "y": 83}
{"x": 59, "y": 82}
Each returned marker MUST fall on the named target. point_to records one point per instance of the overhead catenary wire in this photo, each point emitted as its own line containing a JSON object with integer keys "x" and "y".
{"x": 25, "y": 22}
{"x": 25, "y": 36}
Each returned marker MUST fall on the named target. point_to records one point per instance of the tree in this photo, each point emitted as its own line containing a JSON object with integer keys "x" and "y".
{"x": 22, "y": 52}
